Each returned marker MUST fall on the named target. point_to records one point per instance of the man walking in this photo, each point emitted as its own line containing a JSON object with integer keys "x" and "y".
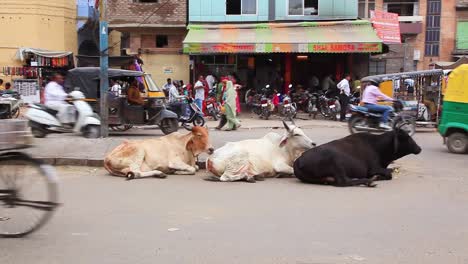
{"x": 345, "y": 92}
{"x": 199, "y": 92}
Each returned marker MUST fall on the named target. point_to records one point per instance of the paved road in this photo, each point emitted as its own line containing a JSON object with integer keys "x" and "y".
{"x": 420, "y": 217}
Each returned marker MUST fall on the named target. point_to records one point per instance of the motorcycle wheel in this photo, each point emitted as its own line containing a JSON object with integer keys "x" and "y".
{"x": 92, "y": 131}
{"x": 354, "y": 121}
{"x": 266, "y": 114}
{"x": 169, "y": 125}
{"x": 199, "y": 121}
{"x": 409, "y": 126}
{"x": 214, "y": 115}
{"x": 324, "y": 110}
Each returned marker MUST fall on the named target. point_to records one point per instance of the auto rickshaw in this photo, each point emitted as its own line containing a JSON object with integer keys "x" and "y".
{"x": 454, "y": 122}
{"x": 420, "y": 92}
{"x": 122, "y": 114}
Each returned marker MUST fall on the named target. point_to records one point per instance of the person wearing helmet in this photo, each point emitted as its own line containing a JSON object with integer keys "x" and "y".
{"x": 371, "y": 96}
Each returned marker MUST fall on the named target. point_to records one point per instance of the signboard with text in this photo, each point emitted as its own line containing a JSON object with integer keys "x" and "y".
{"x": 387, "y": 26}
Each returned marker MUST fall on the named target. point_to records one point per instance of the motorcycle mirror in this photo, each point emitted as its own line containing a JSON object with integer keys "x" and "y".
{"x": 267, "y": 86}
{"x": 290, "y": 86}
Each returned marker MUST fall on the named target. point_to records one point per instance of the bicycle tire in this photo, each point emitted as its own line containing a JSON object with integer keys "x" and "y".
{"x": 47, "y": 172}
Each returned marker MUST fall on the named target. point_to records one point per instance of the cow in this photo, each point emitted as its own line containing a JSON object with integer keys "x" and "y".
{"x": 254, "y": 159}
{"x": 175, "y": 153}
{"x": 358, "y": 159}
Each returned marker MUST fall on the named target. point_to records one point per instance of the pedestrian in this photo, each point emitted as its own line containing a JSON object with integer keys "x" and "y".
{"x": 345, "y": 92}
{"x": 314, "y": 84}
{"x": 229, "y": 115}
{"x": 210, "y": 80}
{"x": 115, "y": 89}
{"x": 328, "y": 83}
{"x": 199, "y": 92}
{"x": 1, "y": 85}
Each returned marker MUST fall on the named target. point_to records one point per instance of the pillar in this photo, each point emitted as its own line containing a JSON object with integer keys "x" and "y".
{"x": 287, "y": 71}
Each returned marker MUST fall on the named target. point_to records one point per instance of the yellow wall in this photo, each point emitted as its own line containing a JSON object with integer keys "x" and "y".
{"x": 155, "y": 64}
{"x": 45, "y": 24}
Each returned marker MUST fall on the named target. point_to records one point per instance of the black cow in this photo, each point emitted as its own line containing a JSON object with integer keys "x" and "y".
{"x": 358, "y": 159}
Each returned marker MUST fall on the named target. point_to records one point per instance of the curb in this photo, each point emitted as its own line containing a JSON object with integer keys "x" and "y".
{"x": 87, "y": 162}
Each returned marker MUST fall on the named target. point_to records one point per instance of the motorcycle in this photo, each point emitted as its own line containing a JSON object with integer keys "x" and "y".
{"x": 10, "y": 103}
{"x": 195, "y": 114}
{"x": 43, "y": 120}
{"x": 266, "y": 105}
{"x": 329, "y": 105}
{"x": 289, "y": 108}
{"x": 312, "y": 103}
{"x": 363, "y": 120}
{"x": 212, "y": 106}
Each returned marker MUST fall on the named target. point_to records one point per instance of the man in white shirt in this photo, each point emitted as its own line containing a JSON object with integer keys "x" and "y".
{"x": 174, "y": 101}
{"x": 115, "y": 88}
{"x": 345, "y": 92}
{"x": 199, "y": 92}
{"x": 167, "y": 87}
{"x": 55, "y": 97}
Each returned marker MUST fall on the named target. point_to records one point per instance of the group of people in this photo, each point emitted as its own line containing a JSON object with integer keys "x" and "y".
{"x": 7, "y": 86}
{"x": 225, "y": 91}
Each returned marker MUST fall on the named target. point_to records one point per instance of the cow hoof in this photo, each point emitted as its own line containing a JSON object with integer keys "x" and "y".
{"x": 251, "y": 180}
{"x": 130, "y": 176}
{"x": 212, "y": 178}
{"x": 371, "y": 182}
{"x": 259, "y": 178}
{"x": 161, "y": 176}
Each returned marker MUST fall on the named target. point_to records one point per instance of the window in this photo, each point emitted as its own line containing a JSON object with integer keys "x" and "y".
{"x": 432, "y": 46}
{"x": 303, "y": 7}
{"x": 402, "y": 7}
{"x": 145, "y": 1}
{"x": 362, "y": 8}
{"x": 377, "y": 67}
{"x": 241, "y": 7}
{"x": 162, "y": 41}
{"x": 462, "y": 35}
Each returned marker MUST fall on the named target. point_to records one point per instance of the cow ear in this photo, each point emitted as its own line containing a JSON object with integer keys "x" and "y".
{"x": 286, "y": 126}
{"x": 189, "y": 145}
{"x": 284, "y": 141}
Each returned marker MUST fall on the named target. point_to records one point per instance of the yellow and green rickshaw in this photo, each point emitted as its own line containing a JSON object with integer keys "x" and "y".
{"x": 454, "y": 122}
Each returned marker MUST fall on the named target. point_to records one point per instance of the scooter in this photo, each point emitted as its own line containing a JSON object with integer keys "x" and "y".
{"x": 195, "y": 115}
{"x": 43, "y": 120}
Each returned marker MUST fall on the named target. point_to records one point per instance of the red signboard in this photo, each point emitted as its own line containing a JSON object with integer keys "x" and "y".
{"x": 387, "y": 26}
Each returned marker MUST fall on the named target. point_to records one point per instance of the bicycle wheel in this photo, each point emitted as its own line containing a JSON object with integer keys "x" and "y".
{"x": 28, "y": 194}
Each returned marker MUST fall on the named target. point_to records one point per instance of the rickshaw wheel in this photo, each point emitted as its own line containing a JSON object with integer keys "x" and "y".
{"x": 169, "y": 125}
{"x": 457, "y": 143}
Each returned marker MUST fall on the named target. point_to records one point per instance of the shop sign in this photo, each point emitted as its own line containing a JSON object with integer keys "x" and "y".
{"x": 219, "y": 48}
{"x": 345, "y": 47}
{"x": 387, "y": 26}
{"x": 168, "y": 70}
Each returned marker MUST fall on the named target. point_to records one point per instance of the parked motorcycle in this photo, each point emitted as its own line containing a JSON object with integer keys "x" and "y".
{"x": 10, "y": 103}
{"x": 195, "y": 114}
{"x": 289, "y": 108}
{"x": 43, "y": 120}
{"x": 212, "y": 106}
{"x": 329, "y": 105}
{"x": 363, "y": 120}
{"x": 312, "y": 103}
{"x": 266, "y": 105}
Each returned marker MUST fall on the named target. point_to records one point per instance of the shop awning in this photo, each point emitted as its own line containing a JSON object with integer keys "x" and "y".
{"x": 304, "y": 37}
{"x": 40, "y": 52}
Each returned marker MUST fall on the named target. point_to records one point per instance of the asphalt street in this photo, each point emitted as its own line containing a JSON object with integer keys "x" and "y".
{"x": 419, "y": 217}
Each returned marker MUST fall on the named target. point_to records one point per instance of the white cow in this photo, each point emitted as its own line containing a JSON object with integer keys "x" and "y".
{"x": 253, "y": 159}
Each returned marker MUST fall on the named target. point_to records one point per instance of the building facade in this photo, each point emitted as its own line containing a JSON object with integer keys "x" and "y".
{"x": 49, "y": 25}
{"x": 279, "y": 42}
{"x": 428, "y": 31}
{"x": 153, "y": 30}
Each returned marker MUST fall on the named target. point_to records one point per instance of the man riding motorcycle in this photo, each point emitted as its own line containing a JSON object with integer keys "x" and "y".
{"x": 174, "y": 101}
{"x": 371, "y": 96}
{"x": 55, "y": 98}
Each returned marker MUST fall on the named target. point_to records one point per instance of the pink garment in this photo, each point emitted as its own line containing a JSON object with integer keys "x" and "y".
{"x": 238, "y": 107}
{"x": 372, "y": 94}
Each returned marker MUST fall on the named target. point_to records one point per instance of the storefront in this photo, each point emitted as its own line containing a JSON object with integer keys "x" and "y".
{"x": 280, "y": 54}
{"x": 38, "y": 66}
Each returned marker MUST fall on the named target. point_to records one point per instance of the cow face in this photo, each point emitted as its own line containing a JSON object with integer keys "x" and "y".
{"x": 405, "y": 144}
{"x": 200, "y": 141}
{"x": 296, "y": 139}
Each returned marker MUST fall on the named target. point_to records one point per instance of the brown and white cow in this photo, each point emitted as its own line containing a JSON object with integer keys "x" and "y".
{"x": 175, "y": 153}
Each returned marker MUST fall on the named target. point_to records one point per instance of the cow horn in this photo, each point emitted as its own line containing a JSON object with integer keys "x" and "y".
{"x": 286, "y": 126}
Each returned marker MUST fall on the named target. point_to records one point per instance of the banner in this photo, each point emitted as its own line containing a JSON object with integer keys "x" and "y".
{"x": 387, "y": 26}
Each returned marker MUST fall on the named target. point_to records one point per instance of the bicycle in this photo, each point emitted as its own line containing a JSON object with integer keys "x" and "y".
{"x": 28, "y": 187}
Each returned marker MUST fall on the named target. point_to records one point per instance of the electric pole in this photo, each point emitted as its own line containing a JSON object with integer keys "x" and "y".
{"x": 366, "y": 9}
{"x": 104, "y": 64}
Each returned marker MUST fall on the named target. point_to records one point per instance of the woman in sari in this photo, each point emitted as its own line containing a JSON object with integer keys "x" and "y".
{"x": 229, "y": 115}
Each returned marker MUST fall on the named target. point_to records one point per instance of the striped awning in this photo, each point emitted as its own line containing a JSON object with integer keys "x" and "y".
{"x": 304, "y": 37}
